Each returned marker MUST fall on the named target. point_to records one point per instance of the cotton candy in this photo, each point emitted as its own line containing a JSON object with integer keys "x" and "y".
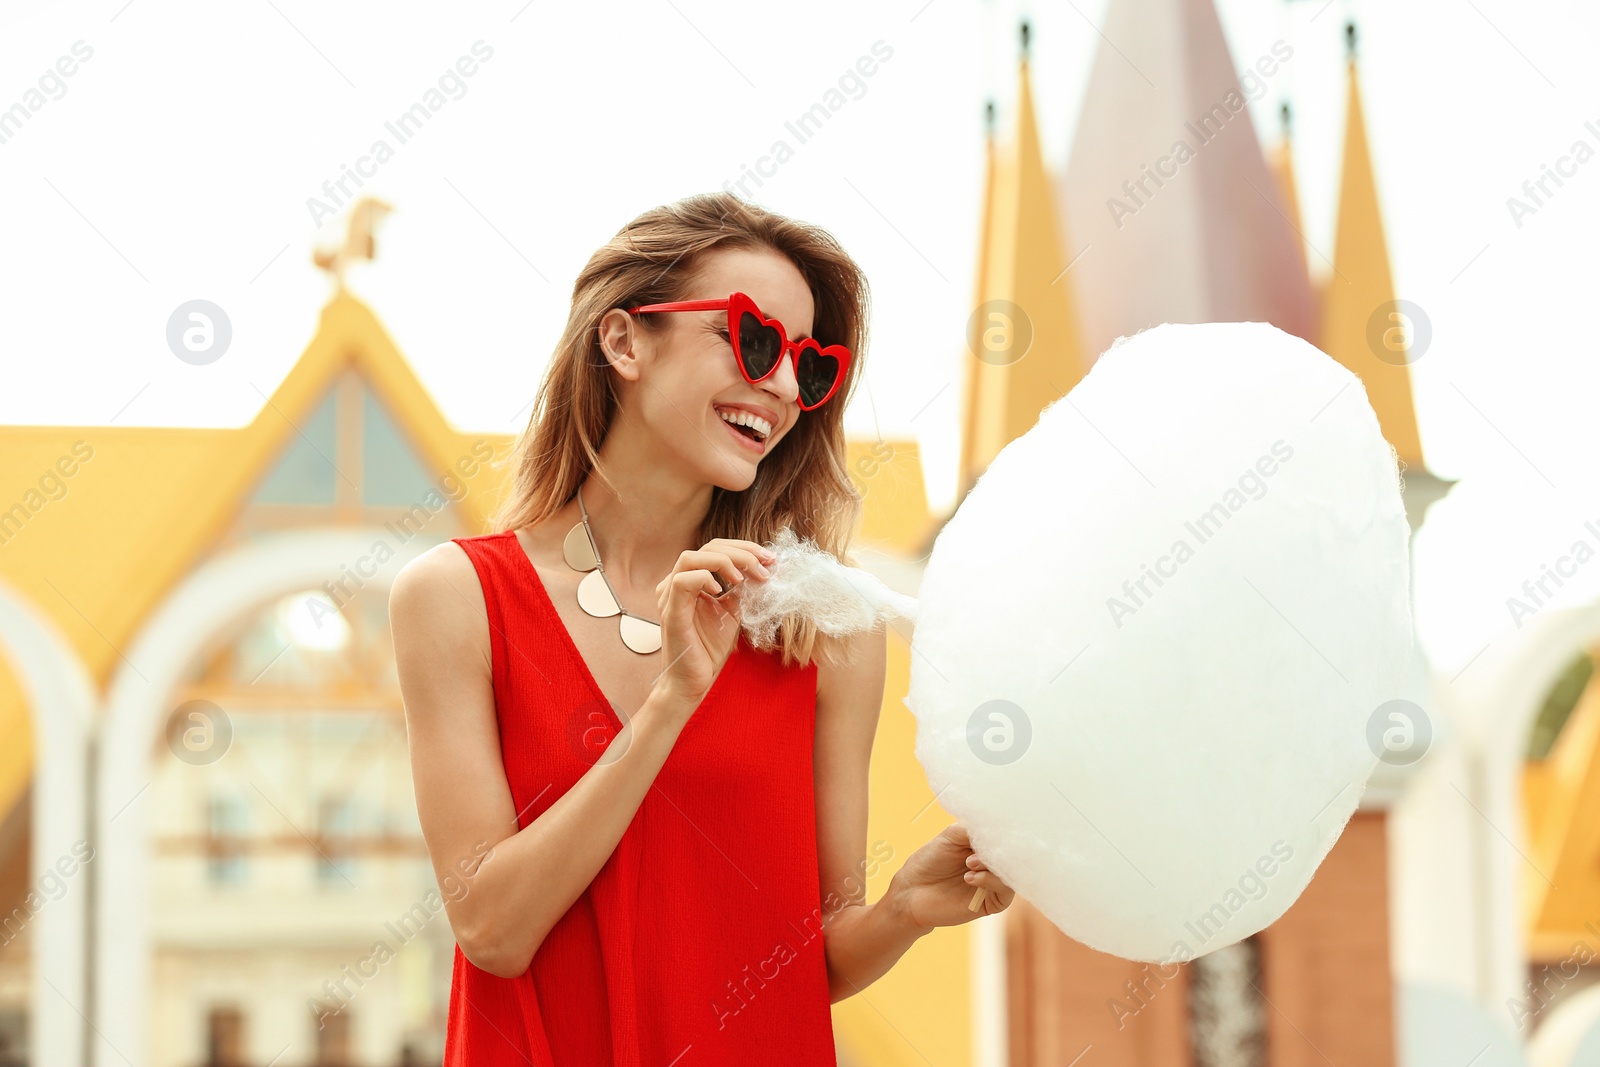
{"x": 1150, "y": 639}
{"x": 809, "y": 582}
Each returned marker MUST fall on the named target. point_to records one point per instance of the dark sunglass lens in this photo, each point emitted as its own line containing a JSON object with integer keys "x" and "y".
{"x": 759, "y": 345}
{"x": 817, "y": 375}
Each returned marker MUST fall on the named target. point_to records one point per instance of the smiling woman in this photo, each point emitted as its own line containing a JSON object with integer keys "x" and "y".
{"x": 615, "y": 374}
{"x": 665, "y": 801}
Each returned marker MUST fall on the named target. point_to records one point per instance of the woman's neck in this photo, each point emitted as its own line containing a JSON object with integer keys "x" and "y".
{"x": 642, "y": 527}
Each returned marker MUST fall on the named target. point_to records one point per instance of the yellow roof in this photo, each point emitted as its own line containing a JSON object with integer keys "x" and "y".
{"x": 1361, "y": 288}
{"x": 99, "y": 523}
{"x": 151, "y": 501}
{"x": 1021, "y": 289}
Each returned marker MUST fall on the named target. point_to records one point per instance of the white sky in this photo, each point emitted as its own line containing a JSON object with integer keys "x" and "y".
{"x": 178, "y": 163}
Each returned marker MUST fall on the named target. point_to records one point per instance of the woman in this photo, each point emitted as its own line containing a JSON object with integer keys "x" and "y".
{"x": 655, "y": 835}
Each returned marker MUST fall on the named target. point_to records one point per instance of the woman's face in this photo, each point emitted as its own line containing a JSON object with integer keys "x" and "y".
{"x": 689, "y": 385}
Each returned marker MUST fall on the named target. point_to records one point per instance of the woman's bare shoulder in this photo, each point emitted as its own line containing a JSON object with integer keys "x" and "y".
{"x": 439, "y": 588}
{"x": 444, "y": 563}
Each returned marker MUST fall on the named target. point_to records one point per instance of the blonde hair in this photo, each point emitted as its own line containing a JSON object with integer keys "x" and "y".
{"x": 802, "y": 483}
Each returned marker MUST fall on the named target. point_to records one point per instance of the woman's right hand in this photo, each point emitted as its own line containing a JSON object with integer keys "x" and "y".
{"x": 698, "y": 632}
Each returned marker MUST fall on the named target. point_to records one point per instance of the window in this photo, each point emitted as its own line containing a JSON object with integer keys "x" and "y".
{"x": 227, "y": 819}
{"x": 225, "y": 1037}
{"x": 336, "y": 824}
{"x": 13, "y": 1038}
{"x": 333, "y": 1038}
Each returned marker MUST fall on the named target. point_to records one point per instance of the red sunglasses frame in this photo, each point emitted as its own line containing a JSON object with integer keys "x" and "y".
{"x": 736, "y": 304}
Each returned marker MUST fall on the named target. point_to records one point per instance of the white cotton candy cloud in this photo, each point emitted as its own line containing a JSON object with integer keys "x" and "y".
{"x": 1152, "y": 637}
{"x": 807, "y": 581}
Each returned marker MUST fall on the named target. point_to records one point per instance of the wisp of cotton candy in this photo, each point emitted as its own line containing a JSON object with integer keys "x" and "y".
{"x": 807, "y": 581}
{"x": 1151, "y": 637}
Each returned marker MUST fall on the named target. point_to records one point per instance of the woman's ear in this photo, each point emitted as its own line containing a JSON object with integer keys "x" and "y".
{"x": 620, "y": 342}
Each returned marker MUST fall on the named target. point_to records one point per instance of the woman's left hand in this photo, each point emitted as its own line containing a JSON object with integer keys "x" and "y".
{"x": 940, "y": 879}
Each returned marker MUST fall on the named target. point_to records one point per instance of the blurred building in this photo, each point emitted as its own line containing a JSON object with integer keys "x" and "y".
{"x": 216, "y": 779}
{"x": 209, "y": 851}
{"x": 205, "y": 759}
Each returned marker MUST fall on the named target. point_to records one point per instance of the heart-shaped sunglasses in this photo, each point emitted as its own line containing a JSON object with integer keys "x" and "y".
{"x": 759, "y": 344}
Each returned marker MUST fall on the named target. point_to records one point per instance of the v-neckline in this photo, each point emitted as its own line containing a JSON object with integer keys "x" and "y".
{"x": 577, "y": 655}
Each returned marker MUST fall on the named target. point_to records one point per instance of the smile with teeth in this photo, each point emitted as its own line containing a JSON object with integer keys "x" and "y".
{"x": 760, "y": 428}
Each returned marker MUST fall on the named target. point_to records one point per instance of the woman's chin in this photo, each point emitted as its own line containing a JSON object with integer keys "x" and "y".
{"x": 734, "y": 474}
{"x": 735, "y": 485}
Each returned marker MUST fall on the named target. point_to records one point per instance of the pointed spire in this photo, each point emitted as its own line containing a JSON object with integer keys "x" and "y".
{"x": 970, "y": 465}
{"x": 1168, "y": 185}
{"x": 1281, "y": 160}
{"x": 1359, "y": 296}
{"x": 1024, "y": 349}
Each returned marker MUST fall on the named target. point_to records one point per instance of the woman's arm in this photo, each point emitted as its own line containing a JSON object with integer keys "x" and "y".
{"x": 516, "y": 893}
{"x": 529, "y": 878}
{"x": 862, "y": 941}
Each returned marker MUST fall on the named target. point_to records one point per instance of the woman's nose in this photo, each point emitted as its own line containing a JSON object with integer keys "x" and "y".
{"x": 782, "y": 383}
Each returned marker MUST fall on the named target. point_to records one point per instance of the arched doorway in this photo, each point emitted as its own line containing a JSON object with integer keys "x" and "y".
{"x": 1498, "y": 700}
{"x": 202, "y": 635}
{"x": 46, "y": 935}
{"x": 1561, "y": 810}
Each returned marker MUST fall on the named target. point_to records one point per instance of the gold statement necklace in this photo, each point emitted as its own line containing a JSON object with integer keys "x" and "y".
{"x": 595, "y": 595}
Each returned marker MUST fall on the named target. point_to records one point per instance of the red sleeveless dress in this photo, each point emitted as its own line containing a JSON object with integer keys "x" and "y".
{"x": 699, "y": 941}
